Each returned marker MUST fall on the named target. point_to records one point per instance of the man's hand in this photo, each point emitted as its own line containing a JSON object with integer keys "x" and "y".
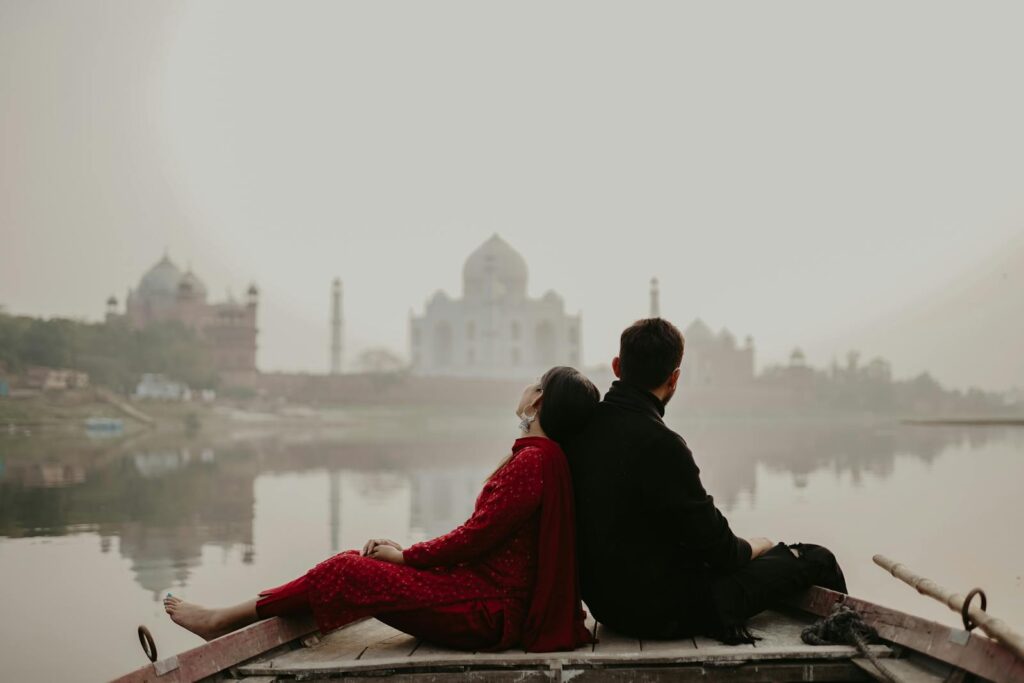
{"x": 759, "y": 545}
{"x": 387, "y": 553}
{"x": 374, "y": 542}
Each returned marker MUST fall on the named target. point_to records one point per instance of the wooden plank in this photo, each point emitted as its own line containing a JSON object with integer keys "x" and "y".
{"x": 706, "y": 643}
{"x": 398, "y": 645}
{"x": 667, "y": 648}
{"x": 776, "y": 629}
{"x": 500, "y": 676}
{"x": 973, "y": 652}
{"x": 610, "y": 642}
{"x": 779, "y": 629}
{"x": 426, "y": 650}
{"x": 222, "y": 653}
{"x": 335, "y": 648}
{"x": 906, "y": 670}
{"x": 436, "y": 658}
{"x": 834, "y": 671}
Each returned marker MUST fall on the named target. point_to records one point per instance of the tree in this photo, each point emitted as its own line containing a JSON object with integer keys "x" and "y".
{"x": 111, "y": 352}
{"x": 379, "y": 360}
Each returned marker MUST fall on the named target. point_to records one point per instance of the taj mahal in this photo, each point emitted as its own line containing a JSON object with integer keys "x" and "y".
{"x": 495, "y": 330}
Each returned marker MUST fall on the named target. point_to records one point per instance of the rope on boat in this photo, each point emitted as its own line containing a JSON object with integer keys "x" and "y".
{"x": 845, "y": 626}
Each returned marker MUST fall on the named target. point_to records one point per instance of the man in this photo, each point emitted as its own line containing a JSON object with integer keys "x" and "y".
{"x": 656, "y": 556}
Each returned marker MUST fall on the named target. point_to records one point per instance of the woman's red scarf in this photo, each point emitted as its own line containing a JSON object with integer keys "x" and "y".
{"x": 555, "y": 618}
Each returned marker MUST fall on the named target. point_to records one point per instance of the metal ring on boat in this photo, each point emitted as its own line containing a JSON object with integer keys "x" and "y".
{"x": 968, "y": 624}
{"x": 148, "y": 645}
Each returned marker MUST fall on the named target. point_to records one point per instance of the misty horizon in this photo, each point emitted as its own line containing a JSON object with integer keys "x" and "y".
{"x": 828, "y": 204}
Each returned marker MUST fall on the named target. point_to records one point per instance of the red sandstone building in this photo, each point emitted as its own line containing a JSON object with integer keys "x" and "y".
{"x": 227, "y": 328}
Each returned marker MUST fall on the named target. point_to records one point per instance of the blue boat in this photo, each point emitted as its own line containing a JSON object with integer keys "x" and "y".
{"x": 104, "y": 424}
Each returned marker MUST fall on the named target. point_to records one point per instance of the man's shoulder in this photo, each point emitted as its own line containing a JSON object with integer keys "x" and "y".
{"x": 609, "y": 425}
{"x": 608, "y": 418}
{"x": 671, "y": 443}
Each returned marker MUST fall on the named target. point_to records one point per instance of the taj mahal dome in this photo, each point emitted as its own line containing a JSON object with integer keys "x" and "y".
{"x": 495, "y": 330}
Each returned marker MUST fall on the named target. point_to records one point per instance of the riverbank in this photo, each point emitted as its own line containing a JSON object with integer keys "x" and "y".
{"x": 66, "y": 412}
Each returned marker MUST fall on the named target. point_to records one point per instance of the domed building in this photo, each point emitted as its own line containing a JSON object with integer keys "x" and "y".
{"x": 227, "y": 329}
{"x": 495, "y": 330}
{"x": 715, "y": 360}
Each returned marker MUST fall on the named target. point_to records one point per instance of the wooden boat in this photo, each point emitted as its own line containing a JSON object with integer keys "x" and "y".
{"x": 911, "y": 650}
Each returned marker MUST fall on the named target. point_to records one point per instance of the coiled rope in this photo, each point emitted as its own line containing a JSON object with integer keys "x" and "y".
{"x": 845, "y": 626}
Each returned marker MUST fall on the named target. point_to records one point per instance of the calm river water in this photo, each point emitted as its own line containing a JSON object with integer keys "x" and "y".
{"x": 94, "y": 533}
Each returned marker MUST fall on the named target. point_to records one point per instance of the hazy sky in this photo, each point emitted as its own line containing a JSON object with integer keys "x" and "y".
{"x": 790, "y": 170}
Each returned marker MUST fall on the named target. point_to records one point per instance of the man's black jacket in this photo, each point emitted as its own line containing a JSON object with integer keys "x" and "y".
{"x": 648, "y": 534}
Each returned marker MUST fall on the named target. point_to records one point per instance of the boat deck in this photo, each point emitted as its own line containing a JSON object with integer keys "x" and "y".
{"x": 371, "y": 648}
{"x": 913, "y": 649}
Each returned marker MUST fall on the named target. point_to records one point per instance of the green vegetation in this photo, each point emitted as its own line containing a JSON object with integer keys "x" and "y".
{"x": 111, "y": 352}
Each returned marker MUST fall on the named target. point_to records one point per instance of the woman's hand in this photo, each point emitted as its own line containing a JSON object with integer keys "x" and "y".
{"x": 374, "y": 542}
{"x": 387, "y": 553}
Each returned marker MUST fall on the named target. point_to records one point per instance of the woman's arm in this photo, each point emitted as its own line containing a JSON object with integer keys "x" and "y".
{"x": 508, "y": 499}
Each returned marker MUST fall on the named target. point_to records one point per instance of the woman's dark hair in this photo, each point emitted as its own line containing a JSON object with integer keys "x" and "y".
{"x": 649, "y": 350}
{"x": 569, "y": 399}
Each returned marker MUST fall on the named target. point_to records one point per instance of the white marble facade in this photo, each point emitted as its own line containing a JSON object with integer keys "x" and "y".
{"x": 495, "y": 330}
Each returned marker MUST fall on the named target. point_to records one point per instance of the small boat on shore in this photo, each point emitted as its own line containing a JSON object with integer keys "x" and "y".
{"x": 901, "y": 647}
{"x": 104, "y": 425}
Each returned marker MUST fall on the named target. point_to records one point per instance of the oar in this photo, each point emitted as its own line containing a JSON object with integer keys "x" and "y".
{"x": 972, "y": 615}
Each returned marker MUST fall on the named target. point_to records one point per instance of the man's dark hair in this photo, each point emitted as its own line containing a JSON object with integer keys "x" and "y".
{"x": 649, "y": 350}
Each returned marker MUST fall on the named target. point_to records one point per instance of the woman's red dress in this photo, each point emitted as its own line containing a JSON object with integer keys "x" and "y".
{"x": 470, "y": 588}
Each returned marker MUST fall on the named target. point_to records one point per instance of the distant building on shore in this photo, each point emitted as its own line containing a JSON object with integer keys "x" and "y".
{"x": 710, "y": 360}
{"x": 715, "y": 360}
{"x": 158, "y": 387}
{"x": 227, "y": 329}
{"x": 58, "y": 379}
{"x": 495, "y": 330}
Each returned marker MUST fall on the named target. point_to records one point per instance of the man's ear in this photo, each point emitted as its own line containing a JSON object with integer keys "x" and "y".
{"x": 616, "y": 368}
{"x": 674, "y": 378}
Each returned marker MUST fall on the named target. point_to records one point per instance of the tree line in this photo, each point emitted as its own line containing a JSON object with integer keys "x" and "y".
{"x": 112, "y": 353}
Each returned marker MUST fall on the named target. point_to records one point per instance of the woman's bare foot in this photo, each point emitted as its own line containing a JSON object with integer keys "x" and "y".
{"x": 202, "y": 621}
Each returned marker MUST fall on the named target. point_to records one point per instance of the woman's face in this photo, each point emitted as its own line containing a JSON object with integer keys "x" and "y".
{"x": 527, "y": 402}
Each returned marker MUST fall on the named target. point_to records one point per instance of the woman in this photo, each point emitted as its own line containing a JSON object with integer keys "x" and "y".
{"x": 506, "y": 577}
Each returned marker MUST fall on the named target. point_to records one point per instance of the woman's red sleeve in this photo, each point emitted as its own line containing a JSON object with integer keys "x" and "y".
{"x": 507, "y": 500}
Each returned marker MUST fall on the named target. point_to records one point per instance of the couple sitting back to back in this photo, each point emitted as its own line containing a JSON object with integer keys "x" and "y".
{"x": 598, "y": 501}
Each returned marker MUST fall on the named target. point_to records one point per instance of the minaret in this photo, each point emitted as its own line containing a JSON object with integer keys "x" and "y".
{"x": 336, "y": 327}
{"x": 655, "y": 308}
{"x": 334, "y": 505}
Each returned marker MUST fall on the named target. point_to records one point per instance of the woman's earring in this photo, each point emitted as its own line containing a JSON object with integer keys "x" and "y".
{"x": 527, "y": 420}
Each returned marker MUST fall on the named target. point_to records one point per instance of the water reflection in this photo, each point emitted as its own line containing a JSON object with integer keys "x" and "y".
{"x": 163, "y": 503}
{"x": 728, "y": 452}
{"x": 109, "y": 525}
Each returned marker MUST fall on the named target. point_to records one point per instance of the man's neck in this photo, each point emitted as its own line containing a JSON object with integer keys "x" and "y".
{"x": 660, "y": 393}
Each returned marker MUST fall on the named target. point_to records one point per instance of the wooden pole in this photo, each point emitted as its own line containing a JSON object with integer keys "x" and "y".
{"x": 994, "y": 627}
